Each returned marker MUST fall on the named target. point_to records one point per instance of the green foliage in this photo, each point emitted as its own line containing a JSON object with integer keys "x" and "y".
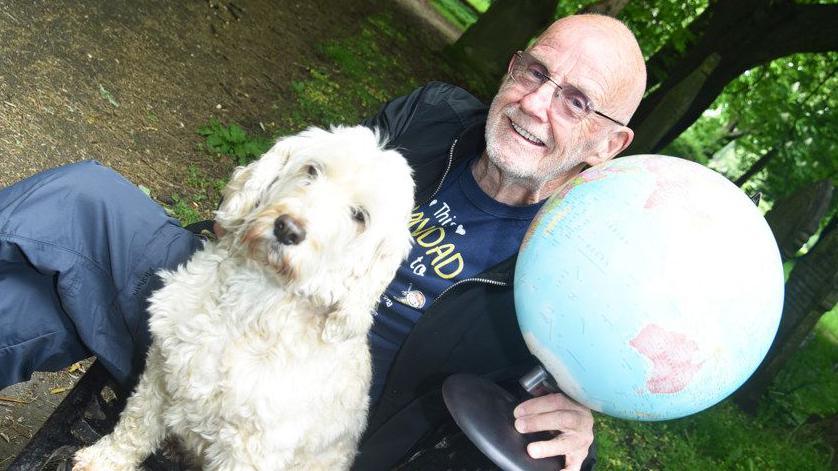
{"x": 787, "y": 105}
{"x": 205, "y": 192}
{"x": 361, "y": 73}
{"x": 184, "y": 210}
{"x": 234, "y": 141}
{"x": 659, "y": 22}
{"x": 654, "y": 23}
{"x": 828, "y": 325}
{"x": 480, "y": 5}
{"x": 801, "y": 390}
{"x": 707, "y": 138}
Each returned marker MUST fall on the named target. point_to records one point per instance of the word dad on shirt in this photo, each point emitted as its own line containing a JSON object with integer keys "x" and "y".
{"x": 445, "y": 260}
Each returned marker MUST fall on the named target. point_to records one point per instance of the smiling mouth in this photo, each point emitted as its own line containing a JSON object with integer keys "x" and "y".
{"x": 526, "y": 135}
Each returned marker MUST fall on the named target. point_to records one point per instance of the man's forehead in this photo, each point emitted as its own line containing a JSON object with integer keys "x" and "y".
{"x": 577, "y": 64}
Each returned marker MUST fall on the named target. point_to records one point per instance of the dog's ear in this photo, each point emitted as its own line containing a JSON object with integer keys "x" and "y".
{"x": 243, "y": 191}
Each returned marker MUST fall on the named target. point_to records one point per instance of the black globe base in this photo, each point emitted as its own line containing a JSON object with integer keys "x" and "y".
{"x": 484, "y": 411}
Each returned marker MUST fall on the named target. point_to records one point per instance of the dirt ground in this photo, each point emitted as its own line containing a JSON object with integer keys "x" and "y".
{"x": 129, "y": 82}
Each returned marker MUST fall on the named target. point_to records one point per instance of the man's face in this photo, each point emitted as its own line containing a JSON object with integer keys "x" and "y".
{"x": 530, "y": 137}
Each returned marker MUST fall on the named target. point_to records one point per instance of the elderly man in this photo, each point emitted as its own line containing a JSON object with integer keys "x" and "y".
{"x": 79, "y": 245}
{"x": 564, "y": 105}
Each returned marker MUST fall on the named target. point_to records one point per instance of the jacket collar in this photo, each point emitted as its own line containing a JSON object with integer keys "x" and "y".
{"x": 472, "y": 141}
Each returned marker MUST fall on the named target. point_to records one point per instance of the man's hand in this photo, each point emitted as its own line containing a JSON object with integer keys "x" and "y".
{"x": 557, "y": 413}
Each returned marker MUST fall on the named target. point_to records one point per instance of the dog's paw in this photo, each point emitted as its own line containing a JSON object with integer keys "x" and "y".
{"x": 95, "y": 459}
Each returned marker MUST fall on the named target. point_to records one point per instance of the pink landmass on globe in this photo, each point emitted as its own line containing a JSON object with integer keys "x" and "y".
{"x": 672, "y": 356}
{"x": 672, "y": 187}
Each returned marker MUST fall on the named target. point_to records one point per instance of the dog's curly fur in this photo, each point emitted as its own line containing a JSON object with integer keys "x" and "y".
{"x": 259, "y": 357}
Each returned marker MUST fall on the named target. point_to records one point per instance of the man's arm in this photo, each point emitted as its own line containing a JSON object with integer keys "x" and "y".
{"x": 557, "y": 413}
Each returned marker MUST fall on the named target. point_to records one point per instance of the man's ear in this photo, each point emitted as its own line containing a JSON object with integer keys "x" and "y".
{"x": 509, "y": 65}
{"x": 616, "y": 142}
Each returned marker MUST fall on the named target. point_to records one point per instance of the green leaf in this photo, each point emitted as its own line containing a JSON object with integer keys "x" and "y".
{"x": 237, "y": 134}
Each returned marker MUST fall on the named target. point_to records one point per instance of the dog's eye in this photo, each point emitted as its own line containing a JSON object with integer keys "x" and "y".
{"x": 359, "y": 215}
{"x": 312, "y": 171}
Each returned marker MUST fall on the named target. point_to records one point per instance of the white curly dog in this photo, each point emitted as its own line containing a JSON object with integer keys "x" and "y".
{"x": 259, "y": 358}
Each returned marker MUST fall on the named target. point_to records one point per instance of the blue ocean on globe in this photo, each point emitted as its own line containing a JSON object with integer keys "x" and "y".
{"x": 650, "y": 287}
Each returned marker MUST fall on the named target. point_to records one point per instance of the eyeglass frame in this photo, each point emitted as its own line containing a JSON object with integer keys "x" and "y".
{"x": 519, "y": 56}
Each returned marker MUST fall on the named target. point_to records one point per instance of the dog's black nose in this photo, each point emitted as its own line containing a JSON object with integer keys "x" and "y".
{"x": 288, "y": 231}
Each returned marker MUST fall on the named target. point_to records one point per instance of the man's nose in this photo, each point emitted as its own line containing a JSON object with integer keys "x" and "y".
{"x": 537, "y": 102}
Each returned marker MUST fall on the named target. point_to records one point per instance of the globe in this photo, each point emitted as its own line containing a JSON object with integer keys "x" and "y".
{"x": 650, "y": 287}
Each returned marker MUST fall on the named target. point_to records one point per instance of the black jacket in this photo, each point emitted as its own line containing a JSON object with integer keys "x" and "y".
{"x": 471, "y": 327}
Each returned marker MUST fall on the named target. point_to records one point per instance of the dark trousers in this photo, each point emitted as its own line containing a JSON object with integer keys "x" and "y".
{"x": 79, "y": 248}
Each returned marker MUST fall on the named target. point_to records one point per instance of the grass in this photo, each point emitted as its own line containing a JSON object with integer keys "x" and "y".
{"x": 206, "y": 192}
{"x": 359, "y": 74}
{"x": 349, "y": 80}
{"x": 234, "y": 141}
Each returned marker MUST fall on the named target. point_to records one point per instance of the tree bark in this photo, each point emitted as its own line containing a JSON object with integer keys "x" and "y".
{"x": 756, "y": 167}
{"x": 795, "y": 219}
{"x": 811, "y": 290}
{"x": 743, "y": 34}
{"x": 667, "y": 58}
{"x": 651, "y": 130}
{"x": 505, "y": 27}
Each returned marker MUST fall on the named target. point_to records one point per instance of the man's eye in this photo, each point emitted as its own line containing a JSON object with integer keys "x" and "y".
{"x": 537, "y": 75}
{"x": 359, "y": 215}
{"x": 577, "y": 103}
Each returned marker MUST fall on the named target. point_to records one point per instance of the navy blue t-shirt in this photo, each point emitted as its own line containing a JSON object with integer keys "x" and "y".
{"x": 458, "y": 234}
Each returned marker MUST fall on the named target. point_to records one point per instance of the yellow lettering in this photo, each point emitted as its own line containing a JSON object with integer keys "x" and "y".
{"x": 442, "y": 251}
{"x": 418, "y": 220}
{"x": 422, "y": 235}
{"x": 457, "y": 268}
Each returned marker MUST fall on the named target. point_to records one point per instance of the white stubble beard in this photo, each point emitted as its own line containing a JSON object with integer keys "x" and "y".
{"x": 516, "y": 166}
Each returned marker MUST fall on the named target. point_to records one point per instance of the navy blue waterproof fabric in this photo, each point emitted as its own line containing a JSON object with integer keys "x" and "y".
{"x": 79, "y": 248}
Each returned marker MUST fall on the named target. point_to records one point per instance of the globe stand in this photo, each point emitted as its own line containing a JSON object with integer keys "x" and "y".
{"x": 484, "y": 411}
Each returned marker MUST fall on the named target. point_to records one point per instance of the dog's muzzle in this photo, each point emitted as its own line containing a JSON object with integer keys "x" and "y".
{"x": 288, "y": 231}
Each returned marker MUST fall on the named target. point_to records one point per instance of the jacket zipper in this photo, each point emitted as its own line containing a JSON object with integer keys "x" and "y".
{"x": 444, "y": 174}
{"x": 467, "y": 280}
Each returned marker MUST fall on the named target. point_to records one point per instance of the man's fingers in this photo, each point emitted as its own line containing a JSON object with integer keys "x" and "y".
{"x": 573, "y": 461}
{"x": 562, "y": 420}
{"x": 557, "y": 413}
{"x": 569, "y": 445}
{"x": 546, "y": 403}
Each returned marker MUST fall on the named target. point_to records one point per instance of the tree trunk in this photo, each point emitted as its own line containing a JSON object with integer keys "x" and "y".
{"x": 795, "y": 219}
{"x": 667, "y": 58}
{"x": 672, "y": 106}
{"x": 486, "y": 47}
{"x": 742, "y": 35}
{"x": 811, "y": 290}
{"x": 756, "y": 167}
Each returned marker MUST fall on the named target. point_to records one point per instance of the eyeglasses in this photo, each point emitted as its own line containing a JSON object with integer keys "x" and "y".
{"x": 527, "y": 71}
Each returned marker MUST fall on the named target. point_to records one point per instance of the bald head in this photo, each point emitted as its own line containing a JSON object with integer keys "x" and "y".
{"x": 610, "y": 40}
{"x": 576, "y": 86}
